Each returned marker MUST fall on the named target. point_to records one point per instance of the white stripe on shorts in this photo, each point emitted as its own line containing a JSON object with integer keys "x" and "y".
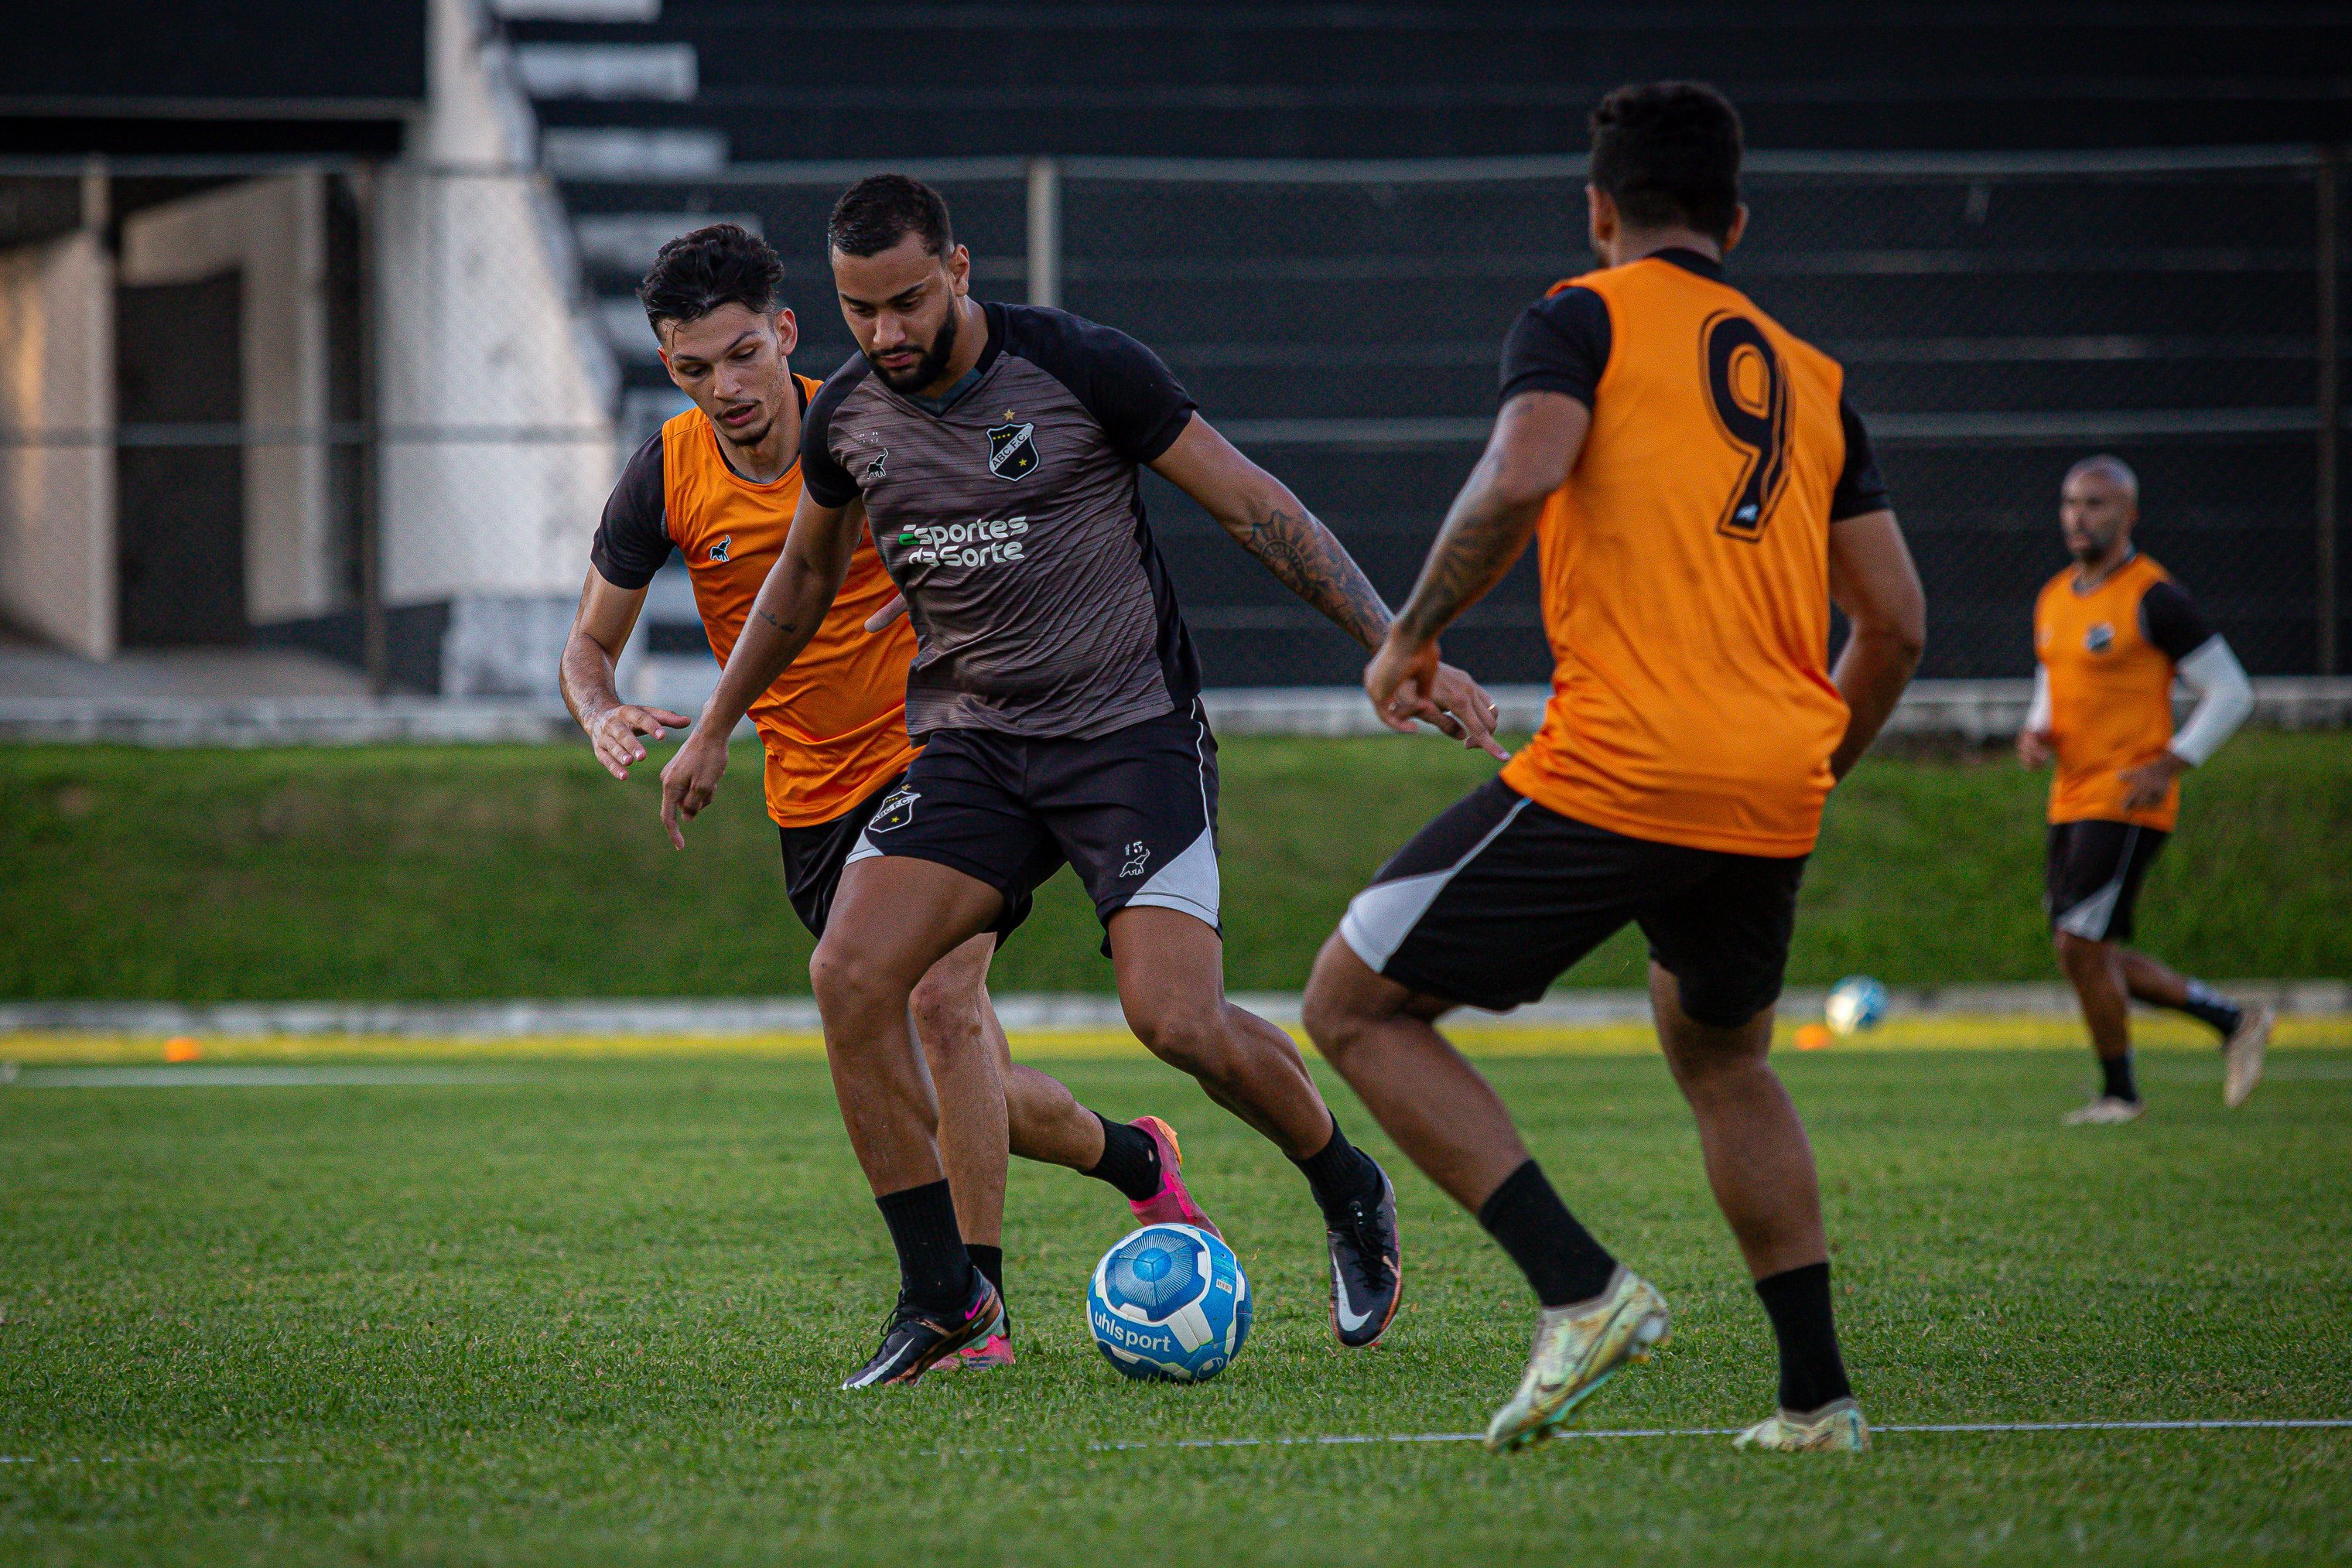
{"x": 2090, "y": 919}
{"x": 1187, "y": 884}
{"x": 1190, "y": 883}
{"x": 1381, "y": 917}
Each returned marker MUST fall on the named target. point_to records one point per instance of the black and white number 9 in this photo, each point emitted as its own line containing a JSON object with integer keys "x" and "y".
{"x": 1748, "y": 391}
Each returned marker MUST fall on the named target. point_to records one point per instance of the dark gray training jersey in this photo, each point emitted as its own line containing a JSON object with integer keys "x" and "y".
{"x": 1014, "y": 523}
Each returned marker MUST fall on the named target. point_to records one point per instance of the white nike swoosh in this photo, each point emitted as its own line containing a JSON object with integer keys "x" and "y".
{"x": 1348, "y": 1321}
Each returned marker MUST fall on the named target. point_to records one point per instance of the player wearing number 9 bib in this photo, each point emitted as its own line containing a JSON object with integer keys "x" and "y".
{"x": 1682, "y": 562}
{"x": 1700, "y": 492}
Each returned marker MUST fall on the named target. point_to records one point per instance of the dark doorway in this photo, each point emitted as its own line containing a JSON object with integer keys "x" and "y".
{"x": 179, "y": 507}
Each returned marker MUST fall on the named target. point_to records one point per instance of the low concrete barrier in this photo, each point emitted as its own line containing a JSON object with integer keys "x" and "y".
{"x": 1029, "y": 1013}
{"x": 1974, "y": 711}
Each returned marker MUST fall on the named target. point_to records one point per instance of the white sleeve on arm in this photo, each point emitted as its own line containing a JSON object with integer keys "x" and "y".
{"x": 2037, "y": 712}
{"x": 2224, "y": 698}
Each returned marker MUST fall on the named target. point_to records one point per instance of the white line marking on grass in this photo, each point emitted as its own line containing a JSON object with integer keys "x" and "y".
{"x": 253, "y": 1077}
{"x": 2120, "y": 1427}
{"x": 1337, "y": 1439}
{"x": 2275, "y": 1072}
{"x": 1333, "y": 1440}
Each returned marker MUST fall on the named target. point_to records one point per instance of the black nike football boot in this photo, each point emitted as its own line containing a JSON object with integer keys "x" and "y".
{"x": 1367, "y": 1269}
{"x": 914, "y": 1339}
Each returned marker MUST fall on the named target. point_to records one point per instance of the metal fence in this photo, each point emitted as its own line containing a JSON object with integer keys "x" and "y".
{"x": 361, "y": 411}
{"x": 1998, "y": 317}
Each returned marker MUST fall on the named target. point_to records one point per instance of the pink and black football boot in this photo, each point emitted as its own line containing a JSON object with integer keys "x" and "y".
{"x": 984, "y": 1354}
{"x": 1172, "y": 1204}
{"x": 915, "y": 1339}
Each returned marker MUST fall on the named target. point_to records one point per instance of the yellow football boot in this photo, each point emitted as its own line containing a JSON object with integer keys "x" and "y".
{"x": 1577, "y": 1349}
{"x": 1836, "y": 1428}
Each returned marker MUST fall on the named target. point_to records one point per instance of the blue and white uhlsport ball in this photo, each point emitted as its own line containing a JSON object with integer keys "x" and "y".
{"x": 1856, "y": 1003}
{"x": 1170, "y": 1301}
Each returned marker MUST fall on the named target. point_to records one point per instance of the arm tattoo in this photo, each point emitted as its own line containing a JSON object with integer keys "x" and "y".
{"x": 1311, "y": 563}
{"x": 787, "y": 627}
{"x": 1482, "y": 536}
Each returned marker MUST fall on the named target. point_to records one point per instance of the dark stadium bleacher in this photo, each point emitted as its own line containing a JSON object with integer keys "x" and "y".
{"x": 1996, "y": 318}
{"x": 1229, "y": 78}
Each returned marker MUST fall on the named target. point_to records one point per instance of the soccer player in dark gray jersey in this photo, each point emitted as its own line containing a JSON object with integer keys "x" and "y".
{"x": 997, "y": 450}
{"x": 1013, "y": 520}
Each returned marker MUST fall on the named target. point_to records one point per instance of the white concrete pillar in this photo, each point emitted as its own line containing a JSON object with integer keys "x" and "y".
{"x": 56, "y": 480}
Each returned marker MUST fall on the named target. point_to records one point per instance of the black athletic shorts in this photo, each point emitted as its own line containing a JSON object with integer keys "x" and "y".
{"x": 2094, "y": 875}
{"x": 1499, "y": 897}
{"x": 1134, "y": 812}
{"x": 813, "y": 857}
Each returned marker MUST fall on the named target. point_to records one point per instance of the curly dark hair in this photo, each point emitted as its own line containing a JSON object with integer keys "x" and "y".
{"x": 695, "y": 273}
{"x": 1667, "y": 152}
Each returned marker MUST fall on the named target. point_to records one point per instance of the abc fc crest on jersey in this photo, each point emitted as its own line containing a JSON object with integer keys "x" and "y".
{"x": 1012, "y": 450}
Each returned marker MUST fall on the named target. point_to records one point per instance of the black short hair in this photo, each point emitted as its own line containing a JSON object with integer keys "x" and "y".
{"x": 1667, "y": 152}
{"x": 882, "y": 209}
{"x": 695, "y": 273}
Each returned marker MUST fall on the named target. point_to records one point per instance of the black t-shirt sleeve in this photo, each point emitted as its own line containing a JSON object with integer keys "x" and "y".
{"x": 632, "y": 539}
{"x": 2170, "y": 619}
{"x": 1129, "y": 389}
{"x": 1559, "y": 344}
{"x": 1859, "y": 489}
{"x": 824, "y": 479}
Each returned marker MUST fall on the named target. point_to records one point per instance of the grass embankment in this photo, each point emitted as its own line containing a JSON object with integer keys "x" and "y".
{"x": 598, "y": 1314}
{"x": 484, "y": 872}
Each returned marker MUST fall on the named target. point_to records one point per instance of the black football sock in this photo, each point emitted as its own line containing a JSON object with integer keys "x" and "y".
{"x": 2211, "y": 1009}
{"x": 1559, "y": 1256}
{"x": 2117, "y": 1073}
{"x": 934, "y": 1268}
{"x": 1812, "y": 1373}
{"x": 1130, "y": 1160}
{"x": 1340, "y": 1172}
{"x": 988, "y": 1260}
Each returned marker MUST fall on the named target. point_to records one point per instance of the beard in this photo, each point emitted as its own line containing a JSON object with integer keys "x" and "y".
{"x": 2090, "y": 546}
{"x": 929, "y": 367}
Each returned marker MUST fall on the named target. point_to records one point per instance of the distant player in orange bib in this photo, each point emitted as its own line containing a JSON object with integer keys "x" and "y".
{"x": 720, "y": 484}
{"x": 1701, "y": 493}
{"x": 2110, "y": 634}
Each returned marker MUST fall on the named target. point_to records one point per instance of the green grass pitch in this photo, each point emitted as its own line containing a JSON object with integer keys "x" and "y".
{"x": 595, "y": 1310}
{"x": 442, "y": 872}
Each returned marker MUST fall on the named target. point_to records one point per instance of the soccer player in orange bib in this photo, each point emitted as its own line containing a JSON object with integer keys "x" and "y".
{"x": 720, "y": 484}
{"x": 2110, "y": 634}
{"x": 1701, "y": 494}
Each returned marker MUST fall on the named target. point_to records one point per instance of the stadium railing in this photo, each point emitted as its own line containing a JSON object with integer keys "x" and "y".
{"x": 1999, "y": 315}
